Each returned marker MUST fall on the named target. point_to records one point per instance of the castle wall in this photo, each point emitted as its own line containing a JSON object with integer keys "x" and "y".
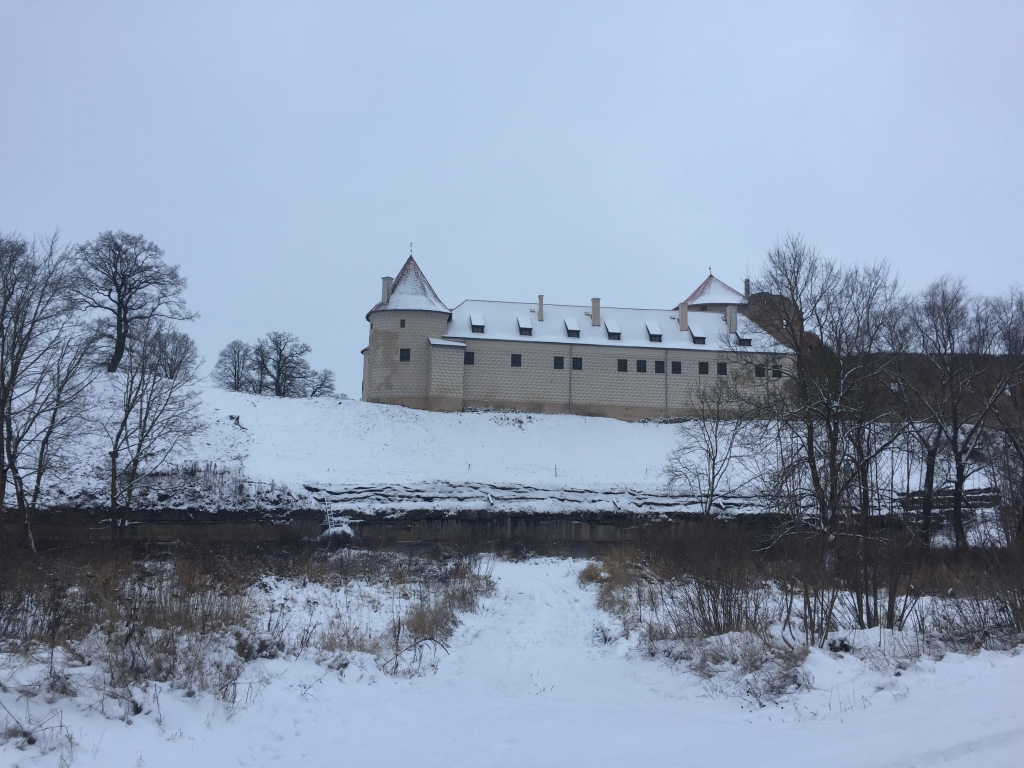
{"x": 386, "y": 378}
{"x": 446, "y": 376}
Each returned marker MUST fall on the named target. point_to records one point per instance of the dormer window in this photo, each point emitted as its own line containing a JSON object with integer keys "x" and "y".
{"x": 572, "y": 328}
{"x": 695, "y": 338}
{"x": 525, "y": 326}
{"x": 612, "y": 327}
{"x": 653, "y": 331}
{"x": 476, "y": 322}
{"x": 744, "y": 342}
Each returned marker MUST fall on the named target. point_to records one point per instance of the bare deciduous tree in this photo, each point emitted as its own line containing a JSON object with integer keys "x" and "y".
{"x": 43, "y": 372}
{"x": 233, "y": 370}
{"x": 124, "y": 278}
{"x": 321, "y": 383}
{"x": 149, "y": 416}
{"x": 713, "y": 459}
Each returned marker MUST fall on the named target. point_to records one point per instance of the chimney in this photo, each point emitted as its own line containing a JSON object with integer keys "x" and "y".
{"x": 595, "y": 311}
{"x": 385, "y": 289}
{"x": 730, "y": 318}
{"x": 746, "y": 288}
{"x": 684, "y": 316}
{"x": 540, "y": 308}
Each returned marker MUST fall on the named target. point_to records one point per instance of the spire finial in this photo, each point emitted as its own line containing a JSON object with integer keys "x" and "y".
{"x": 410, "y": 250}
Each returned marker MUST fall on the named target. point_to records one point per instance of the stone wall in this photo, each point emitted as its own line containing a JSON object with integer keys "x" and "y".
{"x": 386, "y": 378}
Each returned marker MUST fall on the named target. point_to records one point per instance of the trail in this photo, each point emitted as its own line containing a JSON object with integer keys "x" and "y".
{"x": 526, "y": 684}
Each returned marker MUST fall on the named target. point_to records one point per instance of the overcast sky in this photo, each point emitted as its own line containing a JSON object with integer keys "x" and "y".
{"x": 286, "y": 154}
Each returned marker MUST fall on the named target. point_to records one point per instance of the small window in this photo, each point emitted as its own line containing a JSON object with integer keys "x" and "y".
{"x": 655, "y": 337}
{"x": 723, "y": 369}
{"x": 776, "y": 372}
{"x": 477, "y": 329}
{"x": 401, "y": 323}
{"x": 623, "y": 366}
{"x": 559, "y": 362}
{"x": 614, "y": 332}
{"x": 469, "y": 358}
{"x": 404, "y": 355}
{"x": 577, "y": 363}
{"x": 744, "y": 342}
{"x": 572, "y": 328}
{"x": 573, "y": 334}
{"x": 659, "y": 366}
{"x": 614, "y": 336}
{"x": 526, "y": 331}
{"x": 677, "y": 366}
{"x": 759, "y": 371}
{"x": 517, "y": 361}
{"x": 702, "y": 368}
{"x": 698, "y": 339}
{"x": 641, "y": 366}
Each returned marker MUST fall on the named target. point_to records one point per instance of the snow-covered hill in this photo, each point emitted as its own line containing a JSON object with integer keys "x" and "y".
{"x": 325, "y": 441}
{"x": 354, "y": 457}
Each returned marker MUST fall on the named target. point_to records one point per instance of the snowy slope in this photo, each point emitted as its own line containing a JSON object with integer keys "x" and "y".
{"x": 526, "y": 683}
{"x": 325, "y": 441}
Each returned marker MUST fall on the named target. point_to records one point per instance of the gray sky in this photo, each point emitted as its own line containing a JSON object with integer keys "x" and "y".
{"x": 287, "y": 154}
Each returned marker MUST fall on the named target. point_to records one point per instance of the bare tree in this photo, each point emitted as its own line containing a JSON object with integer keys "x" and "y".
{"x": 713, "y": 456}
{"x": 956, "y": 379}
{"x": 150, "y": 416}
{"x": 43, "y": 373}
{"x": 124, "y": 278}
{"x": 283, "y": 357}
{"x": 233, "y": 370}
{"x": 321, "y": 384}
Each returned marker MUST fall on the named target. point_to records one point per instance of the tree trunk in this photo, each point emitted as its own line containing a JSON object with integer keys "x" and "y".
{"x": 958, "y": 504}
{"x": 928, "y": 499}
{"x": 113, "y": 497}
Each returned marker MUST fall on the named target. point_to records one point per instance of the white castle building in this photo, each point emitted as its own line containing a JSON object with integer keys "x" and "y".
{"x": 554, "y": 358}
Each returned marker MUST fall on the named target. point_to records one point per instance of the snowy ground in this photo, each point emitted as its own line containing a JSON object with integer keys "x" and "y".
{"x": 527, "y": 684}
{"x": 326, "y": 441}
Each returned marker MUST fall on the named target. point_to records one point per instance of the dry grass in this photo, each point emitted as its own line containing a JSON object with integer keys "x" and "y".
{"x": 193, "y": 618}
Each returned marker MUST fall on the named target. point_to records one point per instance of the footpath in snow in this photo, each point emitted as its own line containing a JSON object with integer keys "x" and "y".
{"x": 526, "y": 683}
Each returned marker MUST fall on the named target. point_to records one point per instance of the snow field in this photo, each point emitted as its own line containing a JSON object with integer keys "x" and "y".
{"x": 526, "y": 683}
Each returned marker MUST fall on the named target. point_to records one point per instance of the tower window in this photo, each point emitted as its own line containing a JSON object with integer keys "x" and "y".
{"x": 776, "y": 372}
{"x": 623, "y": 365}
{"x": 759, "y": 371}
{"x": 641, "y": 366}
{"x": 517, "y": 361}
{"x": 401, "y": 323}
{"x": 677, "y": 366}
{"x": 404, "y": 355}
{"x": 559, "y": 362}
{"x": 469, "y": 358}
{"x": 577, "y": 363}
{"x": 702, "y": 369}
{"x": 659, "y": 366}
{"x": 723, "y": 369}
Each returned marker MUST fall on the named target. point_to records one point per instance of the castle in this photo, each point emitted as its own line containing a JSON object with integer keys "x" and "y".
{"x": 554, "y": 358}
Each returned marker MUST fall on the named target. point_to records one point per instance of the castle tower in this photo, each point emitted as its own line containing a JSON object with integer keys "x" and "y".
{"x": 407, "y": 361}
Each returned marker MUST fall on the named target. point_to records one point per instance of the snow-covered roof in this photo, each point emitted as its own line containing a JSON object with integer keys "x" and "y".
{"x": 714, "y": 291}
{"x": 411, "y": 291}
{"x": 635, "y": 326}
{"x": 445, "y": 343}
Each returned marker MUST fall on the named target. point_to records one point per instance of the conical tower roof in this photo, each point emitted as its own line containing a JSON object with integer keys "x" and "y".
{"x": 411, "y": 291}
{"x": 714, "y": 291}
